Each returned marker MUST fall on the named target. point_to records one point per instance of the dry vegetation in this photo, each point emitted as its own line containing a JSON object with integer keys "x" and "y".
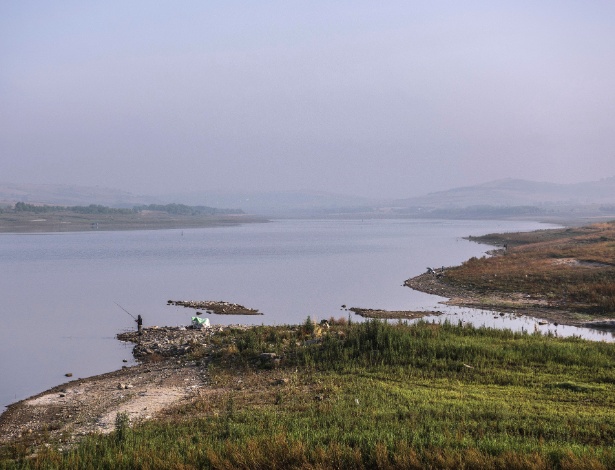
{"x": 567, "y": 269}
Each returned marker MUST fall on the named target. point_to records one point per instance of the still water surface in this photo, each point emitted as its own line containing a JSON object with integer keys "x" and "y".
{"x": 58, "y": 291}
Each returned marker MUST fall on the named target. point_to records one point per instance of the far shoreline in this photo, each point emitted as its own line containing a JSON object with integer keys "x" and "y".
{"x": 68, "y": 222}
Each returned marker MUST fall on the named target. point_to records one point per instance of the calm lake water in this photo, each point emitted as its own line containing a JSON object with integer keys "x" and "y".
{"x": 58, "y": 291}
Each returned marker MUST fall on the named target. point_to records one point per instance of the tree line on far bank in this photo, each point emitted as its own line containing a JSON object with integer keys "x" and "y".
{"x": 175, "y": 209}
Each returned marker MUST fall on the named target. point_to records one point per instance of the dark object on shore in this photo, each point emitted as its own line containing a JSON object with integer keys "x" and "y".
{"x": 217, "y": 307}
{"x": 608, "y": 324}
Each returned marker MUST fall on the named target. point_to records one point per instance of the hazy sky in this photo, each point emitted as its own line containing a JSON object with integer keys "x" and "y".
{"x": 392, "y": 99}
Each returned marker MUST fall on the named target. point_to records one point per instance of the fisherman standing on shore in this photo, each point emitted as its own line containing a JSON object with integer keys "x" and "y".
{"x": 139, "y": 321}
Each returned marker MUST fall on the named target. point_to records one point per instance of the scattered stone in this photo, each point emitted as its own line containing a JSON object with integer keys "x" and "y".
{"x": 216, "y": 307}
{"x": 68, "y": 374}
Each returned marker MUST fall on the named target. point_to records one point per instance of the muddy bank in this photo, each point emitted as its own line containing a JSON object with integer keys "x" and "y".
{"x": 392, "y": 314}
{"x": 518, "y": 303}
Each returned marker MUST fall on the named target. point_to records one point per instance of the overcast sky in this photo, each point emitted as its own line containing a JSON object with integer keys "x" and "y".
{"x": 390, "y": 99}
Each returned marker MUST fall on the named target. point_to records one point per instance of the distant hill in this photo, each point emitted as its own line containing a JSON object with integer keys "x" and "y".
{"x": 516, "y": 192}
{"x": 69, "y": 195}
{"x": 278, "y": 202}
{"x": 495, "y": 199}
{"x": 515, "y": 198}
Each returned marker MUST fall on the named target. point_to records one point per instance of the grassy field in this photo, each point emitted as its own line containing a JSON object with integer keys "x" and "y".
{"x": 572, "y": 269}
{"x": 372, "y": 395}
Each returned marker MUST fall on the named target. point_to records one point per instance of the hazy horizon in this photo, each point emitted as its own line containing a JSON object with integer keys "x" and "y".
{"x": 384, "y": 101}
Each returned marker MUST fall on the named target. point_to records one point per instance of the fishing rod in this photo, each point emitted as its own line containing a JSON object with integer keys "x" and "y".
{"x": 125, "y": 311}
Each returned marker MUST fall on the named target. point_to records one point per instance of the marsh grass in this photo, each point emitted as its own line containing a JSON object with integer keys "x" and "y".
{"x": 377, "y": 395}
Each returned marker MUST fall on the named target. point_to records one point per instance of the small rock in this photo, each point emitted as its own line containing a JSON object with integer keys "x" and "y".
{"x": 62, "y": 395}
{"x": 68, "y": 374}
{"x": 121, "y": 386}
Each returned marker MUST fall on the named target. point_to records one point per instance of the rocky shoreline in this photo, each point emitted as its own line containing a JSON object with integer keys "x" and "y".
{"x": 166, "y": 376}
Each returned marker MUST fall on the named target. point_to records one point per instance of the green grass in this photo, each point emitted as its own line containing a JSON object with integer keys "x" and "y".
{"x": 374, "y": 395}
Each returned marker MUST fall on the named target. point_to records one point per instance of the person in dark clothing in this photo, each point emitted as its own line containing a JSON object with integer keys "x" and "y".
{"x": 139, "y": 321}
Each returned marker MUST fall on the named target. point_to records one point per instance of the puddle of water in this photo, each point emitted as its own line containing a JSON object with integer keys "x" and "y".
{"x": 517, "y": 323}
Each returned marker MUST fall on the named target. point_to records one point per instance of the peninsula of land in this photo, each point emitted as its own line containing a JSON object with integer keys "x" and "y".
{"x": 29, "y": 218}
{"x": 566, "y": 276}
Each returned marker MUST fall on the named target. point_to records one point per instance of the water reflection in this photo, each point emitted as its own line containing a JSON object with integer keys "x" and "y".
{"x": 517, "y": 323}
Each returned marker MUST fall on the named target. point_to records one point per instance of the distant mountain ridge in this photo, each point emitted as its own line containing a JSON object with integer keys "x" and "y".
{"x": 505, "y": 197}
{"x": 517, "y": 192}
